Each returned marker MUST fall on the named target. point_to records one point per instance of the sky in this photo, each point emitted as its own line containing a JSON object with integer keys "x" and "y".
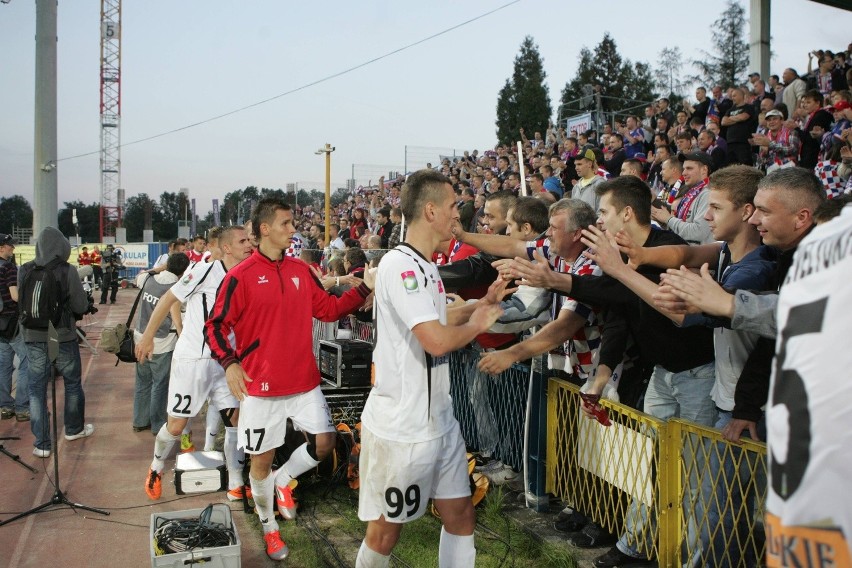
{"x": 185, "y": 62}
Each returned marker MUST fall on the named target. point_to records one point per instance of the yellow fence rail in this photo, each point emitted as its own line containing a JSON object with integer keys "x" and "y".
{"x": 672, "y": 490}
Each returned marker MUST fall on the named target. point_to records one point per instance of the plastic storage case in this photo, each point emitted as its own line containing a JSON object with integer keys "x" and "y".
{"x": 216, "y": 557}
{"x": 200, "y": 472}
{"x": 345, "y": 362}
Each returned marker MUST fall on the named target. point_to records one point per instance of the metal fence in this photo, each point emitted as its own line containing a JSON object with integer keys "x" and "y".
{"x": 673, "y": 490}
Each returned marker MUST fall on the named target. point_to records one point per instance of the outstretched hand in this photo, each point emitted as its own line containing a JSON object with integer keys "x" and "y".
{"x": 497, "y": 291}
{"x": 700, "y": 292}
{"x": 628, "y": 246}
{"x": 537, "y": 273}
{"x": 603, "y": 250}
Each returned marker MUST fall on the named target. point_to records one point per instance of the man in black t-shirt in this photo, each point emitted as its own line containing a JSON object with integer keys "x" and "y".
{"x": 741, "y": 122}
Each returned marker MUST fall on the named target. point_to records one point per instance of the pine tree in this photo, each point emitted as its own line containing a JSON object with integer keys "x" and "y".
{"x": 728, "y": 65}
{"x": 623, "y": 84}
{"x": 524, "y": 101}
{"x": 668, "y": 72}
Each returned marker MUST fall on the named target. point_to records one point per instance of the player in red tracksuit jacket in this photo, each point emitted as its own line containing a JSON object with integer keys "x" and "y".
{"x": 268, "y": 302}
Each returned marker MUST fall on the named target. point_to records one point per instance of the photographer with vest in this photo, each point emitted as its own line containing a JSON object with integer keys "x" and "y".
{"x": 152, "y": 375}
{"x": 49, "y": 288}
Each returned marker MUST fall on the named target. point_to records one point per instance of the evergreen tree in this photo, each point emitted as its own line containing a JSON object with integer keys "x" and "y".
{"x": 623, "y": 84}
{"x": 524, "y": 101}
{"x": 728, "y": 64}
{"x": 88, "y": 220}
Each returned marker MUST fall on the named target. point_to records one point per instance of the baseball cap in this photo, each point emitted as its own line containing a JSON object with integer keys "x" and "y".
{"x": 587, "y": 154}
{"x": 7, "y": 240}
{"x": 697, "y": 157}
{"x": 774, "y": 112}
{"x": 754, "y": 74}
{"x": 841, "y": 105}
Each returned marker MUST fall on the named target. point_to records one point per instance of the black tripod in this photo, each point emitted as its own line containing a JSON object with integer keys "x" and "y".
{"x": 59, "y": 497}
{"x": 15, "y": 457}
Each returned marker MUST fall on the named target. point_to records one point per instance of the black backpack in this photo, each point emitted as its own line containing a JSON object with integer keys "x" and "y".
{"x": 41, "y": 300}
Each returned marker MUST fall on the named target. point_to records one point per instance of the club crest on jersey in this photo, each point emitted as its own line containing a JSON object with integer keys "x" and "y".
{"x": 295, "y": 280}
{"x": 262, "y": 279}
{"x": 188, "y": 278}
{"x": 409, "y": 280}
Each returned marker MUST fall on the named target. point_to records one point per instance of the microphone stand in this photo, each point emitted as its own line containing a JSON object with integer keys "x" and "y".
{"x": 15, "y": 457}
{"x": 59, "y": 497}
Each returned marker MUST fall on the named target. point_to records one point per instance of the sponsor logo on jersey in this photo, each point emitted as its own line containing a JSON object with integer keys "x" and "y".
{"x": 440, "y": 287}
{"x": 262, "y": 279}
{"x": 409, "y": 280}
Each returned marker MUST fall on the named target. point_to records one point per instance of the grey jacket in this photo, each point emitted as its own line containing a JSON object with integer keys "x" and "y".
{"x": 52, "y": 244}
{"x": 756, "y": 313}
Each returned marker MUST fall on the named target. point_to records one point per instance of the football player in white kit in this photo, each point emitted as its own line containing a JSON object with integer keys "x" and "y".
{"x": 194, "y": 375}
{"x": 412, "y": 449}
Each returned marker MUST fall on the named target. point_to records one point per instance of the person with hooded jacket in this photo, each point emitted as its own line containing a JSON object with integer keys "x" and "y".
{"x": 52, "y": 244}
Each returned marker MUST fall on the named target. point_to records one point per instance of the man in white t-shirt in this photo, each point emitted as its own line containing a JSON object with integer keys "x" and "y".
{"x": 176, "y": 245}
{"x": 194, "y": 374}
{"x": 412, "y": 449}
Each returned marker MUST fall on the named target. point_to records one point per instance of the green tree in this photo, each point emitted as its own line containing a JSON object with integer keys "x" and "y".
{"x": 622, "y": 84}
{"x": 88, "y": 220}
{"x": 524, "y": 101}
{"x": 15, "y": 212}
{"x": 134, "y": 215}
{"x": 727, "y": 65}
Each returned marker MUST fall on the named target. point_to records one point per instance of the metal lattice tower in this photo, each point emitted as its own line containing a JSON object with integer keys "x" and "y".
{"x": 112, "y": 198}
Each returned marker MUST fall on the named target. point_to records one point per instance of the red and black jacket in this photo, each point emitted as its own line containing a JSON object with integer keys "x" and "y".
{"x": 269, "y": 305}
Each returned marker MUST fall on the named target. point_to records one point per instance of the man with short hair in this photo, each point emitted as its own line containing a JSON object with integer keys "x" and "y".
{"x": 633, "y": 137}
{"x": 536, "y": 183}
{"x": 815, "y": 122}
{"x": 11, "y": 339}
{"x": 194, "y": 375}
{"x": 255, "y": 297}
{"x": 707, "y": 144}
{"x": 794, "y": 88}
{"x": 52, "y": 248}
{"x": 334, "y": 236}
{"x": 616, "y": 154}
{"x": 396, "y": 233}
{"x": 631, "y": 167}
{"x": 152, "y": 376}
{"x": 408, "y": 420}
{"x": 385, "y": 225}
{"x": 175, "y": 245}
{"x": 741, "y": 122}
{"x": 688, "y": 220}
{"x": 198, "y": 250}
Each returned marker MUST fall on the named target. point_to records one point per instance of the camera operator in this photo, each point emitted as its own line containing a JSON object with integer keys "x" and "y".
{"x": 111, "y": 263}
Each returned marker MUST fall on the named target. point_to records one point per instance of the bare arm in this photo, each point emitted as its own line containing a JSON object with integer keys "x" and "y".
{"x": 13, "y": 292}
{"x": 669, "y": 256}
{"x": 548, "y": 337}
{"x": 438, "y": 339}
{"x": 498, "y": 245}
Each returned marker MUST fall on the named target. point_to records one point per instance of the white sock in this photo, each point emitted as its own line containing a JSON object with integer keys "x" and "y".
{"x": 214, "y": 422}
{"x": 234, "y": 458}
{"x": 263, "y": 492}
{"x": 163, "y": 444}
{"x": 369, "y": 558}
{"x": 456, "y": 551}
{"x": 300, "y": 461}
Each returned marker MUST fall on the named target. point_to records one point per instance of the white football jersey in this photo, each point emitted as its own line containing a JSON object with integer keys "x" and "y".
{"x": 410, "y": 401}
{"x": 197, "y": 290}
{"x": 809, "y": 413}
